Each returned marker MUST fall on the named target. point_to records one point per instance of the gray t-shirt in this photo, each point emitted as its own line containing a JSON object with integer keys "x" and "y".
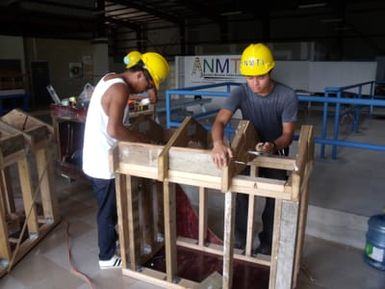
{"x": 266, "y": 113}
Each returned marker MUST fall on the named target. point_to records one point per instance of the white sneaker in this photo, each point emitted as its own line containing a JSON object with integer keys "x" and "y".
{"x": 114, "y": 263}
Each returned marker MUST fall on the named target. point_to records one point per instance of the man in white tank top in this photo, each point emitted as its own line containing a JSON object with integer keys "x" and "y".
{"x": 104, "y": 127}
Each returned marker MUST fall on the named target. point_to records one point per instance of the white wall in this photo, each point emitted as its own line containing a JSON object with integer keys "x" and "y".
{"x": 311, "y": 76}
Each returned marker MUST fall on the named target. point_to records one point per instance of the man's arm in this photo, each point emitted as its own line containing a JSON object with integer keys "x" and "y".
{"x": 288, "y": 129}
{"x": 114, "y": 103}
{"x": 221, "y": 152}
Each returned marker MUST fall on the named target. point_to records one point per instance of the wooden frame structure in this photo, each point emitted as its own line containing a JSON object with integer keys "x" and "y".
{"x": 25, "y": 133}
{"x": 174, "y": 163}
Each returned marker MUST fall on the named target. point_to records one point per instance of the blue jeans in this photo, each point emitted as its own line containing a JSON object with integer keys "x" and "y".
{"x": 242, "y": 201}
{"x": 106, "y": 217}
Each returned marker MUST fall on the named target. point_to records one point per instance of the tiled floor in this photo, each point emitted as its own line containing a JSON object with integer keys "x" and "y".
{"x": 353, "y": 183}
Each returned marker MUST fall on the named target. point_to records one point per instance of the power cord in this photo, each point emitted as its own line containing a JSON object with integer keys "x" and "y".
{"x": 74, "y": 270}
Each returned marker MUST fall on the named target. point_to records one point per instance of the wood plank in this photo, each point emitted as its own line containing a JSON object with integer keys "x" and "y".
{"x": 169, "y": 205}
{"x": 228, "y": 240}
{"x": 276, "y": 246}
{"x": 46, "y": 177}
{"x": 133, "y": 223}
{"x": 275, "y": 162}
{"x": 202, "y": 216}
{"x": 5, "y": 249}
{"x": 138, "y": 170}
{"x": 177, "y": 139}
{"x": 147, "y": 214}
{"x": 7, "y": 190}
{"x": 218, "y": 250}
{"x": 24, "y": 121}
{"x": 244, "y": 140}
{"x": 179, "y": 157}
{"x": 139, "y": 154}
{"x": 113, "y": 157}
{"x": 123, "y": 223}
{"x": 28, "y": 198}
{"x": 287, "y": 239}
{"x": 159, "y": 279}
{"x": 250, "y": 225}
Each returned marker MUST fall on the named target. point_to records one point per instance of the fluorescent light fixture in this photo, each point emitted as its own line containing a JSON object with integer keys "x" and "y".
{"x": 312, "y": 5}
{"x": 331, "y": 20}
{"x": 231, "y": 13}
{"x": 343, "y": 28}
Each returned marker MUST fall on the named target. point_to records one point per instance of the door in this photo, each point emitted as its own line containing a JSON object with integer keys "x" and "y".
{"x": 40, "y": 80}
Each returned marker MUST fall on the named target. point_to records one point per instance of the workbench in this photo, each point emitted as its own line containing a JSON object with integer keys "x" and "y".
{"x": 69, "y": 123}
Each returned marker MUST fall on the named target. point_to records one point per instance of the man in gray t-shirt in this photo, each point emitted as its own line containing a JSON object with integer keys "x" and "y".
{"x": 272, "y": 108}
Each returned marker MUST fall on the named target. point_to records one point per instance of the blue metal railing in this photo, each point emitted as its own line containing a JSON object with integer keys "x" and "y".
{"x": 332, "y": 95}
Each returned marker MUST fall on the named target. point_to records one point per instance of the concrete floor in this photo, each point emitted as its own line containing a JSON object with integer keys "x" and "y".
{"x": 352, "y": 184}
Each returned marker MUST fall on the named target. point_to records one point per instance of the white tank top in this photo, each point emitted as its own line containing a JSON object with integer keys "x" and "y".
{"x": 97, "y": 142}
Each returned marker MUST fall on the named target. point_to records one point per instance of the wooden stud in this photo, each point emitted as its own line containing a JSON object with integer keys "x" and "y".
{"x": 122, "y": 211}
{"x": 5, "y": 250}
{"x": 147, "y": 214}
{"x": 250, "y": 226}
{"x": 169, "y": 205}
{"x": 202, "y": 216}
{"x": 287, "y": 238}
{"x": 228, "y": 240}
{"x": 133, "y": 223}
{"x": 275, "y": 245}
{"x": 7, "y": 190}
{"x": 28, "y": 198}
{"x": 177, "y": 139}
{"x": 45, "y": 174}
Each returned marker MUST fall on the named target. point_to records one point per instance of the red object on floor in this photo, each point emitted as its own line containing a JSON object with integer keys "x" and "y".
{"x": 188, "y": 221}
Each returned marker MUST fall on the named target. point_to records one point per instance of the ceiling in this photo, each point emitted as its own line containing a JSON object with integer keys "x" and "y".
{"x": 88, "y": 19}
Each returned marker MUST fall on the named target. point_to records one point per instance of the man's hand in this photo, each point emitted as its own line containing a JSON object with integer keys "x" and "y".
{"x": 221, "y": 155}
{"x": 265, "y": 147}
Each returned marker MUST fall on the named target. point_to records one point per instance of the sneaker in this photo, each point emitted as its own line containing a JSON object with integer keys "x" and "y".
{"x": 114, "y": 263}
{"x": 263, "y": 249}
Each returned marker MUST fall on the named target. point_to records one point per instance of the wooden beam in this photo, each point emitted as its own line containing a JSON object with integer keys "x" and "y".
{"x": 133, "y": 223}
{"x": 276, "y": 243}
{"x": 218, "y": 250}
{"x": 147, "y": 214}
{"x": 275, "y": 162}
{"x": 46, "y": 175}
{"x": 28, "y": 198}
{"x": 202, "y": 216}
{"x": 169, "y": 204}
{"x": 122, "y": 210}
{"x": 5, "y": 249}
{"x": 228, "y": 240}
{"x": 250, "y": 225}
{"x": 287, "y": 239}
{"x": 177, "y": 139}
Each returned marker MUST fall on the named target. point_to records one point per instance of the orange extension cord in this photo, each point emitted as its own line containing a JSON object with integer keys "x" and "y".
{"x": 74, "y": 270}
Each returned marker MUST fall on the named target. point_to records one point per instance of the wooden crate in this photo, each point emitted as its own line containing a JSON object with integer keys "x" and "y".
{"x": 175, "y": 163}
{"x": 149, "y": 192}
{"x": 21, "y": 133}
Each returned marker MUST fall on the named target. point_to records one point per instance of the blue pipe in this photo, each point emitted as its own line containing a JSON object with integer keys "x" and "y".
{"x": 350, "y": 144}
{"x": 376, "y": 102}
{"x": 336, "y": 128}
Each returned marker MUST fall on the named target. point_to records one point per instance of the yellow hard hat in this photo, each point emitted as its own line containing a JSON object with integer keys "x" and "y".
{"x": 256, "y": 59}
{"x": 132, "y": 58}
{"x": 157, "y": 66}
{"x": 153, "y": 62}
